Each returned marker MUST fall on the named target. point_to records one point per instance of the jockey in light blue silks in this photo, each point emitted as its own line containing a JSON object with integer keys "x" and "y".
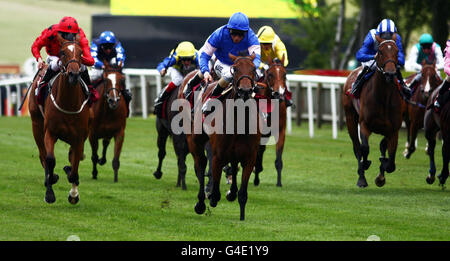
{"x": 366, "y": 55}
{"x": 234, "y": 37}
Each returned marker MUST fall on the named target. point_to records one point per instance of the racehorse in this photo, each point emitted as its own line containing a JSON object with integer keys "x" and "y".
{"x": 164, "y": 129}
{"x": 378, "y": 110}
{"x": 109, "y": 116}
{"x": 434, "y": 122}
{"x": 65, "y": 117}
{"x": 228, "y": 148}
{"x": 275, "y": 79}
{"x": 415, "y": 111}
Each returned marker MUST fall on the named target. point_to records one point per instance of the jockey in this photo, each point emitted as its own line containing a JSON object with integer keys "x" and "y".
{"x": 107, "y": 47}
{"x": 234, "y": 37}
{"x": 181, "y": 61}
{"x": 366, "y": 55}
{"x": 273, "y": 47}
{"x": 68, "y": 29}
{"x": 426, "y": 50}
{"x": 444, "y": 92}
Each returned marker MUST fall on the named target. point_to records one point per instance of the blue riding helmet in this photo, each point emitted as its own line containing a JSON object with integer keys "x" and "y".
{"x": 386, "y": 26}
{"x": 107, "y": 37}
{"x": 238, "y": 21}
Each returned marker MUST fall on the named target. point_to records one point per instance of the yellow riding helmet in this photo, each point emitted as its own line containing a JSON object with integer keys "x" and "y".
{"x": 185, "y": 49}
{"x": 266, "y": 34}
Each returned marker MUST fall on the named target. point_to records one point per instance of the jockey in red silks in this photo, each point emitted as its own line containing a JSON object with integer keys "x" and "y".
{"x": 68, "y": 29}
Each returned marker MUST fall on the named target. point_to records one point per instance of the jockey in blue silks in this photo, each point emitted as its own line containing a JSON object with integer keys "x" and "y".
{"x": 366, "y": 55}
{"x": 107, "y": 47}
{"x": 234, "y": 37}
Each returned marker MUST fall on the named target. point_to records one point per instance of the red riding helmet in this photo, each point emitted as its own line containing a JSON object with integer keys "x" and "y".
{"x": 68, "y": 24}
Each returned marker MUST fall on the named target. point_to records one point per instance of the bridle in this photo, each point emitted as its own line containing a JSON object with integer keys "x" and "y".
{"x": 381, "y": 68}
{"x": 236, "y": 82}
{"x": 61, "y": 53}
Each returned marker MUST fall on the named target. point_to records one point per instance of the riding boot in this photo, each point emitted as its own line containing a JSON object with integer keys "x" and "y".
{"x": 405, "y": 89}
{"x": 163, "y": 95}
{"x": 356, "y": 86}
{"x": 191, "y": 84}
{"x": 442, "y": 96}
{"x": 40, "y": 91}
{"x": 94, "y": 96}
{"x": 217, "y": 91}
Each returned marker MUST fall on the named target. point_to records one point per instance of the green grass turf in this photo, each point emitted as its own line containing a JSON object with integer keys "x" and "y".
{"x": 319, "y": 199}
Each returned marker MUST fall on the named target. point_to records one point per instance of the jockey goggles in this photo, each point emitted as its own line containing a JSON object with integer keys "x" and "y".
{"x": 108, "y": 46}
{"x": 426, "y": 46}
{"x": 68, "y": 36}
{"x": 235, "y": 32}
{"x": 186, "y": 58}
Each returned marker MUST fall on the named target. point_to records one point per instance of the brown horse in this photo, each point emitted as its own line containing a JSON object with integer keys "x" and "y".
{"x": 228, "y": 148}
{"x": 164, "y": 129}
{"x": 415, "y": 111}
{"x": 65, "y": 117}
{"x": 109, "y": 118}
{"x": 275, "y": 79}
{"x": 433, "y": 123}
{"x": 379, "y": 112}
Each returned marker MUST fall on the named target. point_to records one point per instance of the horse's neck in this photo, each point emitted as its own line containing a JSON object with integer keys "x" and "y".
{"x": 382, "y": 88}
{"x": 70, "y": 96}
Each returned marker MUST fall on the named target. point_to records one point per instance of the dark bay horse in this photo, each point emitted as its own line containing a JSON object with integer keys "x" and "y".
{"x": 378, "y": 110}
{"x": 433, "y": 123}
{"x": 109, "y": 118}
{"x": 227, "y": 148}
{"x": 415, "y": 110}
{"x": 66, "y": 117}
{"x": 275, "y": 79}
{"x": 164, "y": 129}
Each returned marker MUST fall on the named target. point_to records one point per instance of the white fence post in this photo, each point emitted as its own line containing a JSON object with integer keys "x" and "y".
{"x": 333, "y": 110}
{"x": 310, "y": 110}
{"x": 143, "y": 97}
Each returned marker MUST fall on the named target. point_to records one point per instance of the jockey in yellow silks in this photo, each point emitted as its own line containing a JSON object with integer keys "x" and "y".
{"x": 273, "y": 47}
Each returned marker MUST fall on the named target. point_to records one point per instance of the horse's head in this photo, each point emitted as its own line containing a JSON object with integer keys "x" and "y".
{"x": 275, "y": 77}
{"x": 70, "y": 56}
{"x": 430, "y": 79}
{"x": 244, "y": 75}
{"x": 387, "y": 57}
{"x": 114, "y": 84}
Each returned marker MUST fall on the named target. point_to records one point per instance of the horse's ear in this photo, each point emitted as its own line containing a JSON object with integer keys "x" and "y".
{"x": 253, "y": 56}
{"x": 378, "y": 38}
{"x": 394, "y": 37}
{"x": 77, "y": 38}
{"x": 424, "y": 62}
{"x": 269, "y": 58}
{"x": 232, "y": 57}
{"x": 121, "y": 64}
{"x": 282, "y": 59}
{"x": 105, "y": 63}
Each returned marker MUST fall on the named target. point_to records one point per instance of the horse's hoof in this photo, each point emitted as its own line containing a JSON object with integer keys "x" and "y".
{"x": 73, "y": 200}
{"x": 380, "y": 181}
{"x": 212, "y": 203}
{"x": 94, "y": 174}
{"x": 430, "y": 179}
{"x": 200, "y": 208}
{"x": 390, "y": 168}
{"x": 256, "y": 182}
{"x": 442, "y": 180}
{"x": 362, "y": 183}
{"x": 231, "y": 196}
{"x": 102, "y": 161}
{"x": 366, "y": 164}
{"x": 50, "y": 196}
{"x": 279, "y": 184}
{"x": 183, "y": 186}
{"x": 157, "y": 174}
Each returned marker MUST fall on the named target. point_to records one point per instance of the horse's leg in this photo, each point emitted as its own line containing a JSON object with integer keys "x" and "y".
{"x": 38, "y": 134}
{"x": 180, "y": 150}
{"x": 445, "y": 160}
{"x": 72, "y": 172}
{"x": 380, "y": 179}
{"x": 259, "y": 163}
{"x": 94, "y": 147}
{"x": 162, "y": 138}
{"x": 408, "y": 134}
{"x": 242, "y": 194}
{"x": 106, "y": 141}
{"x": 50, "y": 162}
{"x": 118, "y": 142}
{"x": 363, "y": 163}
{"x": 279, "y": 154}
{"x": 198, "y": 152}
{"x": 430, "y": 134}
{"x": 208, "y": 188}
{"x": 232, "y": 193}
{"x": 217, "y": 166}
{"x": 414, "y": 128}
